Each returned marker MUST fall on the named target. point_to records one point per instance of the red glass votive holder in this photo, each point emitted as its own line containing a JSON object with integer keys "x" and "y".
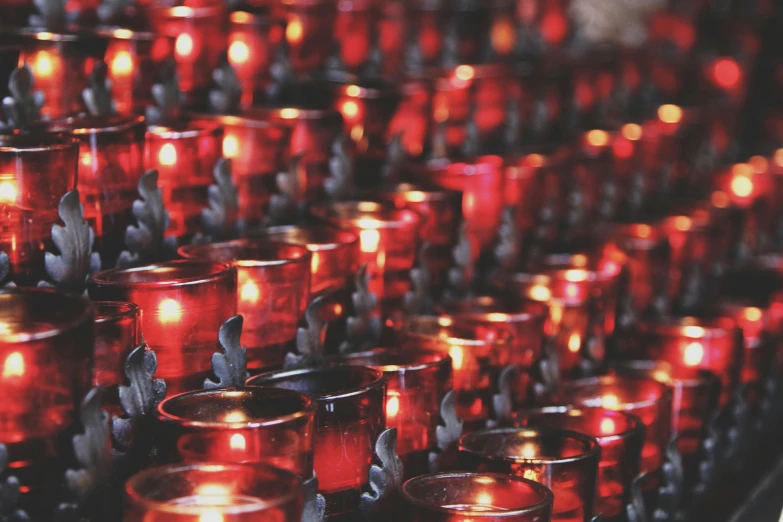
{"x": 708, "y": 344}
{"x": 110, "y": 164}
{"x": 477, "y": 358}
{"x": 334, "y": 255}
{"x": 183, "y": 306}
{"x": 251, "y": 49}
{"x": 117, "y": 333}
{"x": 523, "y": 320}
{"x": 490, "y": 497}
{"x": 564, "y": 461}
{"x": 132, "y": 58}
{"x": 646, "y": 398}
{"x": 531, "y": 185}
{"x": 413, "y": 117}
{"x": 200, "y": 492}
{"x": 273, "y": 286}
{"x": 548, "y": 20}
{"x": 199, "y": 39}
{"x": 349, "y": 418}
{"x": 257, "y": 150}
{"x": 239, "y": 425}
{"x": 46, "y": 349}
{"x": 185, "y": 159}
{"x": 481, "y": 184}
{"x": 354, "y": 26}
{"x": 309, "y": 32}
{"x": 36, "y": 170}
{"x": 417, "y": 381}
{"x": 388, "y": 243}
{"x": 620, "y": 436}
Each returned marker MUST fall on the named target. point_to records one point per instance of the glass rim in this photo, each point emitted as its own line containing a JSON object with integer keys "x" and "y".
{"x": 452, "y": 340}
{"x": 427, "y": 193}
{"x": 692, "y": 327}
{"x": 46, "y": 35}
{"x": 635, "y": 426}
{"x": 233, "y": 120}
{"x": 383, "y": 217}
{"x": 246, "y": 18}
{"x": 666, "y": 391}
{"x": 87, "y": 314}
{"x": 191, "y": 129}
{"x": 44, "y": 142}
{"x": 547, "y": 497}
{"x": 440, "y": 360}
{"x": 120, "y": 310}
{"x": 645, "y": 367}
{"x": 88, "y": 125}
{"x": 309, "y": 407}
{"x": 201, "y": 253}
{"x": 124, "y": 34}
{"x": 495, "y": 317}
{"x": 481, "y": 165}
{"x": 593, "y": 449}
{"x": 293, "y": 113}
{"x": 213, "y": 271}
{"x": 131, "y": 489}
{"x": 285, "y": 231}
{"x": 270, "y": 378}
{"x": 184, "y": 12}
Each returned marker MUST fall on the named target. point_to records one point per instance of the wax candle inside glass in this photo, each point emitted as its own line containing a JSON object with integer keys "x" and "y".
{"x": 367, "y": 107}
{"x": 117, "y": 333}
{"x": 273, "y": 287}
{"x": 564, "y": 461}
{"x": 490, "y": 497}
{"x": 477, "y": 357}
{"x": 183, "y": 305}
{"x": 131, "y": 59}
{"x": 417, "y": 381}
{"x": 240, "y": 425}
{"x": 620, "y": 436}
{"x": 349, "y": 418}
{"x": 213, "y": 492}
{"x": 758, "y": 348}
{"x": 250, "y": 51}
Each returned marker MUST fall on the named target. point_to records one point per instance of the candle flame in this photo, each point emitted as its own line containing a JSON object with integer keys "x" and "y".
{"x": 632, "y": 131}
{"x": 230, "y": 146}
{"x": 353, "y": 90}
{"x": 250, "y": 292}
{"x": 694, "y": 354}
{"x": 574, "y": 342}
{"x": 598, "y": 138}
{"x": 752, "y": 314}
{"x": 350, "y": 109}
{"x": 369, "y": 240}
{"x": 610, "y": 401}
{"x": 13, "y": 366}
{"x": 294, "y": 30}
{"x": 167, "y": 155}
{"x": 571, "y": 290}
{"x": 43, "y": 65}
{"x": 540, "y": 293}
{"x": 464, "y": 73}
{"x": 122, "y": 64}
{"x": 607, "y": 427}
{"x": 183, "y": 45}
{"x": 235, "y": 416}
{"x": 238, "y": 53}
{"x": 86, "y": 159}
{"x": 682, "y": 223}
{"x": 530, "y": 474}
{"x": 315, "y": 261}
{"x": 210, "y": 516}
{"x": 576, "y": 276}
{"x": 556, "y": 314}
{"x": 237, "y": 442}
{"x": 528, "y": 450}
{"x": 169, "y": 311}
{"x": 484, "y": 499}
{"x": 455, "y": 352}
{"x": 212, "y": 490}
{"x": 669, "y": 113}
{"x": 7, "y": 192}
{"x": 392, "y": 406}
{"x": 289, "y": 114}
{"x": 742, "y": 186}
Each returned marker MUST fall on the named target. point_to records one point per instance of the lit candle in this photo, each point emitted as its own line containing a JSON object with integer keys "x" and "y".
{"x": 309, "y": 33}
{"x": 117, "y": 333}
{"x": 249, "y": 51}
{"x": 132, "y": 58}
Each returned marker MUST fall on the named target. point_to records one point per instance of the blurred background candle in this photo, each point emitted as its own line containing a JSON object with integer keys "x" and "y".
{"x": 239, "y": 425}
{"x": 477, "y": 357}
{"x": 183, "y": 306}
{"x": 491, "y": 497}
{"x": 132, "y": 59}
{"x": 309, "y": 31}
{"x": 185, "y": 159}
{"x": 349, "y": 418}
{"x": 564, "y": 461}
{"x": 110, "y": 164}
{"x": 36, "y": 170}
{"x": 117, "y": 333}
{"x": 273, "y": 288}
{"x": 46, "y": 352}
{"x": 250, "y": 50}
{"x": 620, "y": 436}
{"x": 417, "y": 381}
{"x": 202, "y": 492}
{"x": 354, "y": 29}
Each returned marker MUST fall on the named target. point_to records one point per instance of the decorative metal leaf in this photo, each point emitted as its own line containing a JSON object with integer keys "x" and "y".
{"x": 471, "y": 144}
{"x": 113, "y": 11}
{"x": 227, "y": 98}
{"x": 396, "y": 159}
{"x": 314, "y": 503}
{"x": 512, "y": 130}
{"x": 145, "y": 241}
{"x": 710, "y": 450}
{"x": 140, "y": 398}
{"x": 450, "y": 53}
{"x": 447, "y": 433}
{"x": 168, "y": 98}
{"x": 740, "y": 426}
{"x": 309, "y": 341}
{"x": 414, "y": 60}
{"x": 670, "y": 493}
{"x": 74, "y": 241}
{"x": 364, "y": 329}
{"x": 503, "y": 400}
{"x": 5, "y": 266}
{"x": 440, "y": 145}
{"x": 285, "y": 207}
{"x": 548, "y": 370}
{"x": 23, "y": 107}
{"x": 230, "y": 367}
{"x": 419, "y": 299}
{"x": 92, "y": 448}
{"x": 97, "y": 97}
{"x": 52, "y": 15}
{"x": 341, "y": 184}
{"x": 9, "y": 493}
{"x": 635, "y": 510}
{"x": 385, "y": 479}
{"x": 220, "y": 219}
{"x": 461, "y": 273}
{"x": 508, "y": 248}
{"x": 281, "y": 71}
{"x": 373, "y": 68}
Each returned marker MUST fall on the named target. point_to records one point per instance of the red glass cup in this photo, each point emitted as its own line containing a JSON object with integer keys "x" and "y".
{"x": 388, "y": 241}
{"x": 620, "y": 436}
{"x": 199, "y": 39}
{"x": 494, "y": 316}
{"x": 110, "y": 164}
{"x": 250, "y": 52}
{"x": 708, "y": 344}
{"x": 185, "y": 159}
{"x": 273, "y": 287}
{"x": 417, "y": 381}
{"x": 239, "y": 425}
{"x": 46, "y": 352}
{"x": 309, "y": 32}
{"x": 477, "y": 358}
{"x": 334, "y": 255}
{"x": 490, "y": 497}
{"x": 646, "y": 398}
{"x": 132, "y": 58}
{"x": 481, "y": 183}
{"x": 353, "y": 33}
{"x": 36, "y": 170}
{"x": 349, "y": 418}
{"x": 200, "y": 492}
{"x": 117, "y": 333}
{"x": 413, "y": 118}
{"x": 531, "y": 186}
{"x": 564, "y": 461}
{"x": 183, "y": 306}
